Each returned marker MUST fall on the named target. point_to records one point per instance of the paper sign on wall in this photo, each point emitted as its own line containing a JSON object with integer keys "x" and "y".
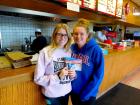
{"x": 73, "y": 7}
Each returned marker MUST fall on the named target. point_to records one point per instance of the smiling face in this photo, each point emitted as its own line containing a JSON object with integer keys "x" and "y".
{"x": 80, "y": 36}
{"x": 61, "y": 38}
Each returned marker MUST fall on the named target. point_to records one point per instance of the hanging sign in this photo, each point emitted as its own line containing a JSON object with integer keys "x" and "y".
{"x": 91, "y": 4}
{"x": 73, "y": 7}
{"x": 102, "y": 6}
{"x": 72, "y": 1}
{"x": 119, "y": 8}
{"x": 107, "y": 6}
{"x": 111, "y": 7}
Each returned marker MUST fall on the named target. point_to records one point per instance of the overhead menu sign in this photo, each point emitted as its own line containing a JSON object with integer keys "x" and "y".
{"x": 102, "y": 6}
{"x": 107, "y": 6}
{"x": 89, "y": 4}
{"x": 111, "y": 7}
{"x": 73, "y": 7}
{"x": 76, "y": 1}
{"x": 72, "y": 1}
{"x": 119, "y": 8}
{"x": 79, "y": 2}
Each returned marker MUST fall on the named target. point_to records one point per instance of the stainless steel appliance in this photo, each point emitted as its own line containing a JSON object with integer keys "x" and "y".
{"x": 0, "y": 40}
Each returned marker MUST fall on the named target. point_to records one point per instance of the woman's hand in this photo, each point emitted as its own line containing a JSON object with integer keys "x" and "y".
{"x": 72, "y": 74}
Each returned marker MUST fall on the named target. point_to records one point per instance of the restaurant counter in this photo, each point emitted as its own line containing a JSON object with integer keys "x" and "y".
{"x": 17, "y": 86}
{"x": 118, "y": 65}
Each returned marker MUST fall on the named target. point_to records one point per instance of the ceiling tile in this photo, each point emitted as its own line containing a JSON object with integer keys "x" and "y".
{"x": 137, "y": 2}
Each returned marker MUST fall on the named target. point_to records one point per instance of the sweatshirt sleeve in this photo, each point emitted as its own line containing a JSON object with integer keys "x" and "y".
{"x": 40, "y": 77}
{"x": 92, "y": 88}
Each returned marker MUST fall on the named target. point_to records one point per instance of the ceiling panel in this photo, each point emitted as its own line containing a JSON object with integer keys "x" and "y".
{"x": 137, "y": 2}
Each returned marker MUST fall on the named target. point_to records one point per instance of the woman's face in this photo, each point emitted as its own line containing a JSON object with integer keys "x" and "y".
{"x": 61, "y": 37}
{"x": 80, "y": 36}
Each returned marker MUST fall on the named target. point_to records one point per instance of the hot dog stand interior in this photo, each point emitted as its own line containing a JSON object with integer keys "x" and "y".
{"x": 17, "y": 86}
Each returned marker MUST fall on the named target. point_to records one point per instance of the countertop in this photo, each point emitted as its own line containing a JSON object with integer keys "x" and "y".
{"x": 9, "y": 75}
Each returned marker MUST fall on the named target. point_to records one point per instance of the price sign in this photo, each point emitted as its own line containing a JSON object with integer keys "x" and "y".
{"x": 72, "y": 1}
{"x": 119, "y": 8}
{"x": 89, "y": 4}
{"x": 102, "y": 5}
{"x": 107, "y": 6}
{"x": 111, "y": 7}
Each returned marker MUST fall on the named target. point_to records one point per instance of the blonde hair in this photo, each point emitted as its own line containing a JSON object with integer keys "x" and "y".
{"x": 53, "y": 44}
{"x": 83, "y": 23}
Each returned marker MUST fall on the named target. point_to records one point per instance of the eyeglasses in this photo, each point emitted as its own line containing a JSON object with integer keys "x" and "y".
{"x": 61, "y": 35}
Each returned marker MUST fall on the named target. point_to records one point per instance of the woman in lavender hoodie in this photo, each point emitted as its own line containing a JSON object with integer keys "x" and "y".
{"x": 51, "y": 73}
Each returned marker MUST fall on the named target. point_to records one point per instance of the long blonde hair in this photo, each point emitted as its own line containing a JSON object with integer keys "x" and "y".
{"x": 53, "y": 44}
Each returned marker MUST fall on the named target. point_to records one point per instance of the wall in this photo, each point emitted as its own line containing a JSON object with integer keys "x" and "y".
{"x": 15, "y": 29}
{"x": 132, "y": 30}
{"x": 130, "y": 18}
{"x": 72, "y": 23}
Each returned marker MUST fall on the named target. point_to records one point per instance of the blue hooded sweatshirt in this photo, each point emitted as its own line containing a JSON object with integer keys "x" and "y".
{"x": 88, "y": 80}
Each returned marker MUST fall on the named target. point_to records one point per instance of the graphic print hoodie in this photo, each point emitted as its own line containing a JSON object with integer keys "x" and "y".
{"x": 88, "y": 80}
{"x": 46, "y": 73}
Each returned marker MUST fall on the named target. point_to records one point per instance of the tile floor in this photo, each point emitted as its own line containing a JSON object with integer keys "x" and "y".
{"x": 133, "y": 79}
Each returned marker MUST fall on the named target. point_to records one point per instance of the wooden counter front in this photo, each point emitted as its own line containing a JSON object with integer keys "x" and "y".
{"x": 119, "y": 64}
{"x": 17, "y": 86}
{"x": 10, "y": 76}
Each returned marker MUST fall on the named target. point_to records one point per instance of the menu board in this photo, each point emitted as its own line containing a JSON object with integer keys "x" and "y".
{"x": 119, "y": 8}
{"x": 73, "y": 1}
{"x": 111, "y": 7}
{"x": 89, "y": 4}
{"x": 102, "y": 5}
{"x": 79, "y": 2}
{"x": 107, "y": 6}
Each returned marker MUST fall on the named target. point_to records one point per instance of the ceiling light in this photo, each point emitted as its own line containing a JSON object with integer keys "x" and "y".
{"x": 136, "y": 13}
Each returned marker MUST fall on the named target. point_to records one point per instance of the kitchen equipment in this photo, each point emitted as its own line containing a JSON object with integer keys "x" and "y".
{"x": 27, "y": 46}
{"x": 32, "y": 37}
{"x": 24, "y": 48}
{"x": 0, "y": 40}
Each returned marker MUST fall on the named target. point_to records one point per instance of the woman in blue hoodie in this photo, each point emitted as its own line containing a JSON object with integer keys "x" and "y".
{"x": 85, "y": 86}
